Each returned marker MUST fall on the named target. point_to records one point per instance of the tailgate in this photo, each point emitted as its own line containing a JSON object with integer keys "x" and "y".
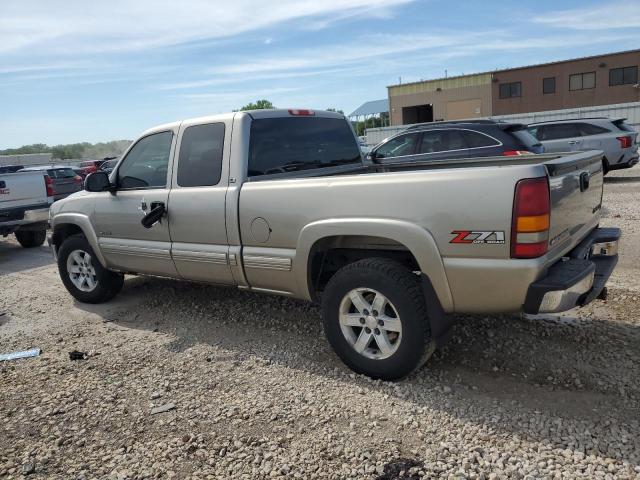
{"x": 22, "y": 190}
{"x": 576, "y": 184}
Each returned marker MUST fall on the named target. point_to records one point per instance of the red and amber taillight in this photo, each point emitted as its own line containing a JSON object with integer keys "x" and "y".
{"x": 625, "y": 142}
{"x": 531, "y": 218}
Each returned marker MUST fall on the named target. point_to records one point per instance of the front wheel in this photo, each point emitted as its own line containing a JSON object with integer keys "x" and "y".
{"x": 83, "y": 275}
{"x": 31, "y": 238}
{"x": 375, "y": 318}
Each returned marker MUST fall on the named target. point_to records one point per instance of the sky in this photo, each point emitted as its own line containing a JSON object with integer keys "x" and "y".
{"x": 78, "y": 70}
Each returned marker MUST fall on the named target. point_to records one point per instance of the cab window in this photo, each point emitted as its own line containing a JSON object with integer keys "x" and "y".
{"x": 147, "y": 163}
{"x": 200, "y": 161}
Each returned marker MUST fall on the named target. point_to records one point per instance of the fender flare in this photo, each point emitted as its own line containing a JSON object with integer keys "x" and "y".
{"x": 418, "y": 241}
{"x": 81, "y": 221}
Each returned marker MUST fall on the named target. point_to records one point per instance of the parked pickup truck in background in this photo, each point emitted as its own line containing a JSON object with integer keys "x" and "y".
{"x": 287, "y": 205}
{"x": 24, "y": 207}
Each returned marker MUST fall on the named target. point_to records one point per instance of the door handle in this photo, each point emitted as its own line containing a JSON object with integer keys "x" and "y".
{"x": 574, "y": 142}
{"x": 154, "y": 216}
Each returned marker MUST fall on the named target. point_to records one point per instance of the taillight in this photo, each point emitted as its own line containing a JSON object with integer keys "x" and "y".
{"x": 625, "y": 142}
{"x": 49, "y": 184}
{"x": 531, "y": 218}
{"x": 77, "y": 179}
{"x": 512, "y": 153}
{"x": 302, "y": 113}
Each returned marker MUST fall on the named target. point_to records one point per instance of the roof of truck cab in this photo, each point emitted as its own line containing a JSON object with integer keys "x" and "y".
{"x": 255, "y": 114}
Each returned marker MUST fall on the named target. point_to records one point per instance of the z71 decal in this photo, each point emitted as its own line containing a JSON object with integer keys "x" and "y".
{"x": 476, "y": 236}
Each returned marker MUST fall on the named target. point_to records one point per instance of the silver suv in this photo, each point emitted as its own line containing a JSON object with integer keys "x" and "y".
{"x": 614, "y": 137}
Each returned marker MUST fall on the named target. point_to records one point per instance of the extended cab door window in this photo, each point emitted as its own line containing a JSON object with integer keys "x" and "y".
{"x": 200, "y": 160}
{"x": 147, "y": 163}
{"x": 399, "y": 146}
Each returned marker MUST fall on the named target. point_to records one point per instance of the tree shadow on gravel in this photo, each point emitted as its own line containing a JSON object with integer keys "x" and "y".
{"x": 580, "y": 369}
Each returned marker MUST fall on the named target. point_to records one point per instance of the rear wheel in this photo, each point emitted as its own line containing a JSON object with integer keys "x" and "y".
{"x": 31, "y": 238}
{"x": 375, "y": 318}
{"x": 605, "y": 166}
{"x": 83, "y": 275}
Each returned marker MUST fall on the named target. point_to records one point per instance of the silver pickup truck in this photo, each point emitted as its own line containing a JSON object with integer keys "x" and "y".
{"x": 281, "y": 201}
{"x": 24, "y": 206}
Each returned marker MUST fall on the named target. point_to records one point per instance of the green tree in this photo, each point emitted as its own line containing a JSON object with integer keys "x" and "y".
{"x": 259, "y": 105}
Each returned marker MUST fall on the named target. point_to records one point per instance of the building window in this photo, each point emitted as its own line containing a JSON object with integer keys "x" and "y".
{"x": 509, "y": 90}
{"x": 623, "y": 76}
{"x": 549, "y": 85}
{"x": 582, "y": 81}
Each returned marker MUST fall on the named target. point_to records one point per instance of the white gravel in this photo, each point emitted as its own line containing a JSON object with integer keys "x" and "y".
{"x": 257, "y": 393}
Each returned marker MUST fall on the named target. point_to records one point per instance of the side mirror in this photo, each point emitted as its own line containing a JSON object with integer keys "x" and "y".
{"x": 97, "y": 182}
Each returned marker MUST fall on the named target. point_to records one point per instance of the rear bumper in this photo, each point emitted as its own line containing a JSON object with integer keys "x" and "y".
{"x": 578, "y": 279}
{"x": 626, "y": 161}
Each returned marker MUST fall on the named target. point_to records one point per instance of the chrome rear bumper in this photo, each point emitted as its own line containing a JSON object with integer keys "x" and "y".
{"x": 578, "y": 279}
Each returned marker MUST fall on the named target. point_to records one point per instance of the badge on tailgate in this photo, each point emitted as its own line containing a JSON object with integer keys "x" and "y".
{"x": 492, "y": 237}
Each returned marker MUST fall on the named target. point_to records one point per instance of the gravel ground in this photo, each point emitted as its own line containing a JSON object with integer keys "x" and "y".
{"x": 247, "y": 387}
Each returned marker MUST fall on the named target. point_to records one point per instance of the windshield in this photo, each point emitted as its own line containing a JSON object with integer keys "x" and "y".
{"x": 287, "y": 144}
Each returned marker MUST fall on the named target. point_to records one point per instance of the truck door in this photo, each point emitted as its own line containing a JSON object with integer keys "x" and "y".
{"x": 141, "y": 184}
{"x": 199, "y": 247}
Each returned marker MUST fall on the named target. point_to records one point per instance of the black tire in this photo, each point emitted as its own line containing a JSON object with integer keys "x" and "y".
{"x": 108, "y": 283}
{"x": 402, "y": 288}
{"x": 31, "y": 238}
{"x": 605, "y": 166}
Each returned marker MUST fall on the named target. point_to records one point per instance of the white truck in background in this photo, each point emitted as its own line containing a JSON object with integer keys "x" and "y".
{"x": 24, "y": 207}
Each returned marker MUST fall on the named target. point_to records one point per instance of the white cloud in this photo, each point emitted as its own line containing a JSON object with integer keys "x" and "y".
{"x": 388, "y": 47}
{"x": 601, "y": 17}
{"x": 78, "y": 26}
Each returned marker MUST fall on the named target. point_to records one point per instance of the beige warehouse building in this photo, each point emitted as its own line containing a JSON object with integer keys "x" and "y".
{"x": 609, "y": 79}
{"x": 452, "y": 98}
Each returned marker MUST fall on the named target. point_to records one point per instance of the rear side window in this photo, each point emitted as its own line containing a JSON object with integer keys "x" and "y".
{"x": 478, "y": 140}
{"x": 399, "y": 146}
{"x": 289, "y": 144}
{"x": 559, "y": 131}
{"x": 441, "y": 141}
{"x": 200, "y": 161}
{"x": 587, "y": 129}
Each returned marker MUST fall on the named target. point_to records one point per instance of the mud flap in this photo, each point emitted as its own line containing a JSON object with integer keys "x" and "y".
{"x": 439, "y": 321}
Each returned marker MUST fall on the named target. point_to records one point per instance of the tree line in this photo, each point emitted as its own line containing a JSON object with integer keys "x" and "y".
{"x": 73, "y": 150}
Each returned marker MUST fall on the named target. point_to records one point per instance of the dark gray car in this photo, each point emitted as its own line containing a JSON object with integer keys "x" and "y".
{"x": 450, "y": 140}
{"x": 61, "y": 181}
